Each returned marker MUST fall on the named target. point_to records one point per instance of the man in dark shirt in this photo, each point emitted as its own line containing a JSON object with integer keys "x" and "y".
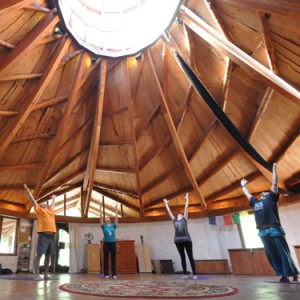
{"x": 270, "y": 231}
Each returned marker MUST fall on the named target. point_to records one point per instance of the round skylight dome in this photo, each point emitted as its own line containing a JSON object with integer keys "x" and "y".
{"x": 116, "y": 28}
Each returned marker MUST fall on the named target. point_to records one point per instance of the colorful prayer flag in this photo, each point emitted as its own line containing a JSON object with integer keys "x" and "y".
{"x": 236, "y": 218}
{"x": 220, "y": 220}
{"x": 212, "y": 220}
{"x": 228, "y": 220}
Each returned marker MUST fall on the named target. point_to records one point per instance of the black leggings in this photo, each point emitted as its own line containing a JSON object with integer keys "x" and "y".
{"x": 110, "y": 248}
{"x": 188, "y": 246}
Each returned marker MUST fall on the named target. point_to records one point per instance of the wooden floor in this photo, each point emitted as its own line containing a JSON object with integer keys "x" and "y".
{"x": 250, "y": 287}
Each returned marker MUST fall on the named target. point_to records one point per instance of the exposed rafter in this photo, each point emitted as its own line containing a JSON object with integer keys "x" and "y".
{"x": 241, "y": 58}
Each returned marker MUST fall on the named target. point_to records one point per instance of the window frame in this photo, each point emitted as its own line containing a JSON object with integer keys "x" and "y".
{"x": 16, "y": 235}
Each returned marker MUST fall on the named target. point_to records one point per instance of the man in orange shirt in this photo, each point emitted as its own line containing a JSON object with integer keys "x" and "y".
{"x": 46, "y": 229}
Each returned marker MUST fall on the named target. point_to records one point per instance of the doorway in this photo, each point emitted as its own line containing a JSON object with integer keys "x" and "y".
{"x": 60, "y": 260}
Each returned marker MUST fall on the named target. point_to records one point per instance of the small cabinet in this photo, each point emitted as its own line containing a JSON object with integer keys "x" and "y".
{"x": 93, "y": 258}
{"x": 23, "y": 257}
{"x": 250, "y": 262}
{"x": 126, "y": 258}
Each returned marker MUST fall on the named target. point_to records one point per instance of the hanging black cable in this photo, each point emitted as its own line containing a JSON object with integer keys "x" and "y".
{"x": 222, "y": 117}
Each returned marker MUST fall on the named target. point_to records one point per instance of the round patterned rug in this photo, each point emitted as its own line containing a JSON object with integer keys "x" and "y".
{"x": 148, "y": 289}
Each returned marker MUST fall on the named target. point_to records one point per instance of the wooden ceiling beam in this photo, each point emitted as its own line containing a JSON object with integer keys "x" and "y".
{"x": 65, "y": 165}
{"x": 44, "y": 104}
{"x": 29, "y": 42}
{"x": 293, "y": 180}
{"x": 114, "y": 143}
{"x": 226, "y": 83}
{"x": 163, "y": 177}
{"x": 219, "y": 165}
{"x": 175, "y": 171}
{"x": 149, "y": 120}
{"x": 71, "y": 139}
{"x": 280, "y": 7}
{"x": 155, "y": 152}
{"x": 50, "y": 191}
{"x": 114, "y": 170}
{"x": 204, "y": 136}
{"x": 88, "y": 180}
{"x": 7, "y": 45}
{"x": 211, "y": 5}
{"x": 238, "y": 56}
{"x": 174, "y": 134}
{"x": 20, "y": 167}
{"x": 37, "y": 8}
{"x": 231, "y": 188}
{"x": 290, "y": 141}
{"x": 115, "y": 111}
{"x": 185, "y": 109}
{"x": 50, "y": 102}
{"x": 133, "y": 136}
{"x": 141, "y": 63}
{"x": 260, "y": 112}
{"x": 15, "y": 77}
{"x": 53, "y": 189}
{"x": 268, "y": 43}
{"x": 62, "y": 124}
{"x": 49, "y": 39}
{"x": 13, "y": 127}
{"x": 11, "y": 5}
{"x": 33, "y": 137}
{"x": 216, "y": 40}
{"x": 114, "y": 197}
{"x": 64, "y": 208}
{"x": 116, "y": 190}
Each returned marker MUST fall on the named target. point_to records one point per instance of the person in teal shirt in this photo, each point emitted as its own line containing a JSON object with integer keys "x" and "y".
{"x": 109, "y": 245}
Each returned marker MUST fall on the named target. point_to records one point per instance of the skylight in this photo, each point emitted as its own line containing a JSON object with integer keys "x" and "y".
{"x": 115, "y": 28}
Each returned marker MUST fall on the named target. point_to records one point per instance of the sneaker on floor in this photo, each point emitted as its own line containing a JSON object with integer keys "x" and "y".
{"x": 296, "y": 278}
{"x": 106, "y": 277}
{"x": 38, "y": 278}
{"x": 184, "y": 277}
{"x": 284, "y": 279}
{"x": 195, "y": 277}
{"x": 115, "y": 277}
{"x": 47, "y": 277}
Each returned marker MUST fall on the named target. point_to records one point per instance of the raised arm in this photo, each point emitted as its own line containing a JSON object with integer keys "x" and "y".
{"x": 245, "y": 190}
{"x": 168, "y": 209}
{"x": 33, "y": 201}
{"x": 101, "y": 216}
{"x": 53, "y": 201}
{"x": 274, "y": 187}
{"x": 117, "y": 212}
{"x": 186, "y": 208}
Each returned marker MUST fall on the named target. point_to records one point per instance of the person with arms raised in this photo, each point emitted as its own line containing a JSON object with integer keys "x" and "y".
{"x": 270, "y": 231}
{"x": 46, "y": 230}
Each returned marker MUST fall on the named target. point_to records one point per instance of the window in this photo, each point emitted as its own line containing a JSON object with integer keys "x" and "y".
{"x": 249, "y": 231}
{"x": 119, "y": 27}
{"x": 8, "y": 235}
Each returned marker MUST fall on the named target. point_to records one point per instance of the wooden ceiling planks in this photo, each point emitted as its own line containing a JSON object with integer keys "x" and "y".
{"x": 158, "y": 139}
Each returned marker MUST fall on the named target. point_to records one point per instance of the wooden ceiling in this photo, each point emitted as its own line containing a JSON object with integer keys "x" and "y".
{"x": 135, "y": 130}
